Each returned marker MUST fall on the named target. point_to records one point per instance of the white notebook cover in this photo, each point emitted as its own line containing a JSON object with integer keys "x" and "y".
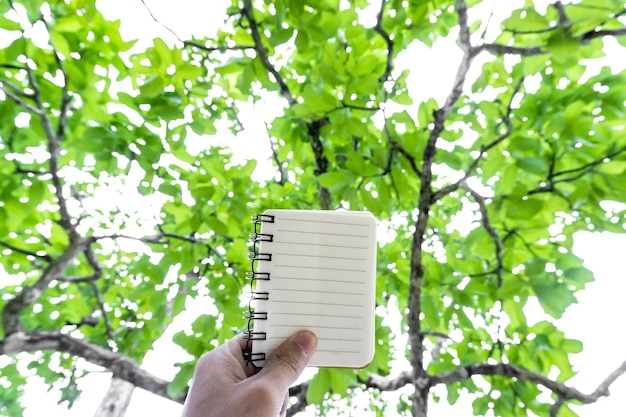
{"x": 322, "y": 278}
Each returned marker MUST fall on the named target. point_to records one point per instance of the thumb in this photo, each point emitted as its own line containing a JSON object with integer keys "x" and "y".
{"x": 288, "y": 361}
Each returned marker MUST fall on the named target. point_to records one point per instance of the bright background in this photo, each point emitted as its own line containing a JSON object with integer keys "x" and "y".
{"x": 598, "y": 319}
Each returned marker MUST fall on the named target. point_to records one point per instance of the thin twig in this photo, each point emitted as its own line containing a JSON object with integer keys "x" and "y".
{"x": 390, "y": 46}
{"x": 101, "y": 306}
{"x": 580, "y": 171}
{"x": 25, "y": 252}
{"x": 279, "y": 164}
{"x": 193, "y": 44}
{"x": 395, "y": 146}
{"x": 19, "y": 100}
{"x": 157, "y": 21}
{"x": 95, "y": 266}
{"x": 217, "y": 48}
{"x": 482, "y": 207}
{"x": 248, "y": 12}
{"x": 506, "y": 120}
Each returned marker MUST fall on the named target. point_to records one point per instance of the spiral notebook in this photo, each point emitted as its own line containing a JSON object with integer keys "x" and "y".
{"x": 313, "y": 270}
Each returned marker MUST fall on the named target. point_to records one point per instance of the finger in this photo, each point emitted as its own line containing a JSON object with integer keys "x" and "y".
{"x": 237, "y": 345}
{"x": 283, "y": 411}
{"x": 288, "y": 361}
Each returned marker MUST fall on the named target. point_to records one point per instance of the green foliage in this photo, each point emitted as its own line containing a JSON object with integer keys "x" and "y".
{"x": 133, "y": 147}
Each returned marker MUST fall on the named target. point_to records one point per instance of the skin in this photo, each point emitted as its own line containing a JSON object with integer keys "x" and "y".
{"x": 225, "y": 386}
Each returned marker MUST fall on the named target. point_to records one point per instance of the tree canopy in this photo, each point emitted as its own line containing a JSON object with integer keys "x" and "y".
{"x": 122, "y": 199}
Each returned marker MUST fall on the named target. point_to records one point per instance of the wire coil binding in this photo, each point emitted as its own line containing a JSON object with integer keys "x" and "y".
{"x": 255, "y": 256}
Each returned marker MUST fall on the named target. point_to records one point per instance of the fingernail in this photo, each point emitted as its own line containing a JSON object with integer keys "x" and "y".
{"x": 306, "y": 340}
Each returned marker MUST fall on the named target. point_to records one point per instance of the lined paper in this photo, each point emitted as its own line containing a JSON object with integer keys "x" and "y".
{"x": 322, "y": 278}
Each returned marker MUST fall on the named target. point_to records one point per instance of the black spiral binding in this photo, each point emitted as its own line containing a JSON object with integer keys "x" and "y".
{"x": 255, "y": 257}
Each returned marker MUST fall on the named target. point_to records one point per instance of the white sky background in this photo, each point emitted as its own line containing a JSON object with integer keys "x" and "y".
{"x": 597, "y": 320}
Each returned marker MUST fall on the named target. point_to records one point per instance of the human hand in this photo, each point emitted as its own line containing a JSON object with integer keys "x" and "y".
{"x": 225, "y": 386}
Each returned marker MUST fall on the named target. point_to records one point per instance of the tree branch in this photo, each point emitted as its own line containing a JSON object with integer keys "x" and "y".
{"x": 382, "y": 383}
{"x": 279, "y": 165}
{"x": 509, "y": 50}
{"x": 564, "y": 392}
{"x": 13, "y": 308}
{"x": 556, "y": 406}
{"x": 374, "y": 381}
{"x": 248, "y": 12}
{"x": 158, "y": 22}
{"x": 482, "y": 207}
{"x": 19, "y": 100}
{"x": 120, "y": 365}
{"x": 506, "y": 119}
{"x": 25, "y": 252}
{"x": 116, "y": 399}
{"x": 321, "y": 162}
{"x": 66, "y": 99}
{"x": 565, "y": 23}
{"x": 395, "y": 146}
{"x": 16, "y": 90}
{"x": 93, "y": 262}
{"x": 157, "y": 239}
{"x": 601, "y": 33}
{"x": 54, "y": 148}
{"x": 299, "y": 393}
{"x": 105, "y": 316}
{"x": 383, "y": 33}
{"x": 220, "y": 48}
{"x": 424, "y": 205}
{"x": 217, "y": 48}
{"x": 579, "y": 171}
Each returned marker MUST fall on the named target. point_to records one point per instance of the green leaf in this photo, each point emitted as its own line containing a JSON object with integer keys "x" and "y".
{"x": 331, "y": 179}
{"x": 613, "y": 167}
{"x": 431, "y": 311}
{"x": 170, "y": 189}
{"x": 533, "y": 164}
{"x": 189, "y": 72}
{"x": 318, "y": 387}
{"x": 578, "y": 276}
{"x": 524, "y": 209}
{"x": 153, "y": 87}
{"x": 554, "y": 299}
{"x": 341, "y": 380}
{"x": 69, "y": 24}
{"x": 8, "y": 24}
{"x": 572, "y": 346}
{"x": 180, "y": 382}
{"x": 526, "y": 19}
{"x": 60, "y": 43}
{"x": 564, "y": 47}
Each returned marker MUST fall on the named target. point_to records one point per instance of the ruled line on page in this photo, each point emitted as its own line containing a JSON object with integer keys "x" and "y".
{"x": 274, "y": 300}
{"x": 320, "y": 339}
{"x": 316, "y": 279}
{"x": 322, "y": 221}
{"x": 318, "y": 291}
{"x": 319, "y": 244}
{"x": 325, "y": 350}
{"x": 319, "y": 256}
{"x": 318, "y": 327}
{"x": 320, "y": 233}
{"x": 339, "y": 316}
{"x": 318, "y": 267}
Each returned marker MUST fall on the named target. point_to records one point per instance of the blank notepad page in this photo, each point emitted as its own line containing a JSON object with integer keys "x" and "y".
{"x": 322, "y": 277}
